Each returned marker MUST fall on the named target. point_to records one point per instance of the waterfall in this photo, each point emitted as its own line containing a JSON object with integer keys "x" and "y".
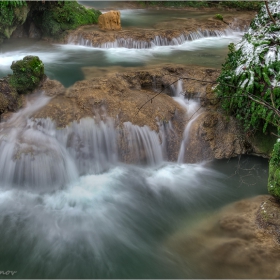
{"x": 131, "y": 43}
{"x": 143, "y": 143}
{"x": 29, "y": 155}
{"x": 191, "y": 106}
{"x": 34, "y": 153}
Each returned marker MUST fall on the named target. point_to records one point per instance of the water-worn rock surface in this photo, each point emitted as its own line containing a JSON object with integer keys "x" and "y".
{"x": 174, "y": 31}
{"x": 126, "y": 97}
{"x": 110, "y": 21}
{"x": 231, "y": 244}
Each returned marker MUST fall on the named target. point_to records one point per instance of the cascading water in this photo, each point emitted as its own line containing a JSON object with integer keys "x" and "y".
{"x": 192, "y": 108}
{"x": 35, "y": 153}
{"x": 130, "y": 43}
{"x": 69, "y": 208}
{"x": 30, "y": 156}
{"x": 144, "y": 144}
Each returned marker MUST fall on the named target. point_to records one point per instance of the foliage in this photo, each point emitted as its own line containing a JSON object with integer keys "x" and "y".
{"x": 242, "y": 5}
{"x": 219, "y": 16}
{"x": 54, "y": 18}
{"x": 27, "y": 74}
{"x": 12, "y": 14}
{"x": 252, "y": 70}
{"x": 4, "y": 4}
{"x": 274, "y": 172}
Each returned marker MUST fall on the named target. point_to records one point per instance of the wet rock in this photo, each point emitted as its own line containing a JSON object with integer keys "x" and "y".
{"x": 125, "y": 95}
{"x": 52, "y": 87}
{"x": 230, "y": 244}
{"x": 10, "y": 101}
{"x": 34, "y": 32}
{"x": 175, "y": 31}
{"x": 110, "y": 21}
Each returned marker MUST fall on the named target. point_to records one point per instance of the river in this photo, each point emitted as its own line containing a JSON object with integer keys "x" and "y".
{"x": 68, "y": 215}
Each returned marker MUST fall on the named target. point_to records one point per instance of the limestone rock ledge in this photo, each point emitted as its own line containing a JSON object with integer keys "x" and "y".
{"x": 120, "y": 94}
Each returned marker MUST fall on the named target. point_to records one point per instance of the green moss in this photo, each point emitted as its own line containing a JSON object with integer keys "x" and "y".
{"x": 274, "y": 172}
{"x": 10, "y": 17}
{"x": 54, "y": 18}
{"x": 27, "y": 74}
{"x": 246, "y": 73}
{"x": 219, "y": 17}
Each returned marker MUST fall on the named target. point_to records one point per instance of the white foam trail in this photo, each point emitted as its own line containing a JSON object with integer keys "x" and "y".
{"x": 144, "y": 143}
{"x": 192, "y": 112}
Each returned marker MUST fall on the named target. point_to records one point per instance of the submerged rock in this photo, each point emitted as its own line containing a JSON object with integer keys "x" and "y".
{"x": 110, "y": 21}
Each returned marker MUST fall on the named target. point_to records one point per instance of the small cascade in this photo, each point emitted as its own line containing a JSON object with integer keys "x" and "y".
{"x": 35, "y": 154}
{"x": 143, "y": 144}
{"x": 131, "y": 43}
{"x": 92, "y": 144}
{"x": 31, "y": 156}
{"x": 191, "y": 106}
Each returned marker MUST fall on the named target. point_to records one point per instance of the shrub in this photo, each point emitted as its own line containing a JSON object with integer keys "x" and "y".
{"x": 274, "y": 172}
{"x": 252, "y": 69}
{"x": 54, "y": 18}
{"x": 219, "y": 16}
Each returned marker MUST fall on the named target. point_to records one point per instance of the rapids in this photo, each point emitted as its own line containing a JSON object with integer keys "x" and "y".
{"x": 69, "y": 206}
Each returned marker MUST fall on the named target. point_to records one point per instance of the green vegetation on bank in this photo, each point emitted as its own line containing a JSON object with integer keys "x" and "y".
{"x": 250, "y": 76}
{"x": 242, "y": 5}
{"x": 51, "y": 18}
{"x": 249, "y": 83}
{"x": 12, "y": 14}
{"x": 274, "y": 172}
{"x": 54, "y": 18}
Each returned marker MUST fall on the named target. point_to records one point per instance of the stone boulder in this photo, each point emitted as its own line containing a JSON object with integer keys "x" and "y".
{"x": 10, "y": 100}
{"x": 110, "y": 21}
{"x": 27, "y": 74}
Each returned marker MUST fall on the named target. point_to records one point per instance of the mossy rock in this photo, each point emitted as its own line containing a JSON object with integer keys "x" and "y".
{"x": 274, "y": 172}
{"x": 56, "y": 17}
{"x": 10, "y": 18}
{"x": 27, "y": 74}
{"x": 10, "y": 101}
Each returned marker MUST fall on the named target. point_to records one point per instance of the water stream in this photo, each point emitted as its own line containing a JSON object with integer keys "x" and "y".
{"x": 71, "y": 208}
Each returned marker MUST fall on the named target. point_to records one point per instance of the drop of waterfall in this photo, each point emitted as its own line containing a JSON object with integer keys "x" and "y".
{"x": 35, "y": 154}
{"x": 192, "y": 112}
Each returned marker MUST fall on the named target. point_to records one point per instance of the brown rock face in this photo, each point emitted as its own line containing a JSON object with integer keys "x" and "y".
{"x": 230, "y": 244}
{"x": 125, "y": 95}
{"x": 10, "y": 101}
{"x": 110, "y": 21}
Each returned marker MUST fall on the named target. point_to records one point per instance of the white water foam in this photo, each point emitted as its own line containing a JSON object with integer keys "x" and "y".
{"x": 192, "y": 112}
{"x": 33, "y": 152}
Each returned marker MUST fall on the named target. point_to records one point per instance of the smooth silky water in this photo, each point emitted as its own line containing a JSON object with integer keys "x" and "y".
{"x": 70, "y": 209}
